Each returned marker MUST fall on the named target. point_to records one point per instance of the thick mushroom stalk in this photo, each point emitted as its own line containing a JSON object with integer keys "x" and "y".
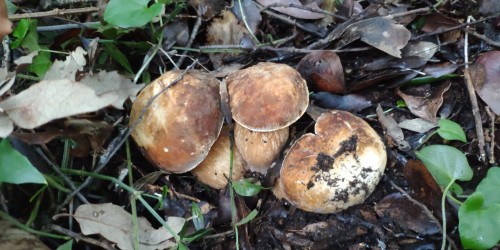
{"x": 335, "y": 168}
{"x": 183, "y": 122}
{"x": 265, "y": 99}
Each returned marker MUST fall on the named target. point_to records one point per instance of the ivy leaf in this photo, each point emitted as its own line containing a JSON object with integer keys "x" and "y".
{"x": 479, "y": 226}
{"x": 451, "y": 130}
{"x": 245, "y": 187}
{"x": 15, "y": 168}
{"x": 128, "y": 14}
{"x": 446, "y": 164}
{"x": 489, "y": 187}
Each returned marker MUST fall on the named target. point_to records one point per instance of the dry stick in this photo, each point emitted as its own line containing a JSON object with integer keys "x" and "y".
{"x": 492, "y": 135}
{"x": 56, "y": 168}
{"x": 194, "y": 32}
{"x": 120, "y": 139}
{"x": 473, "y": 101}
{"x": 100, "y": 243}
{"x": 425, "y": 209}
{"x": 441, "y": 31}
{"x": 484, "y": 38}
{"x": 343, "y": 18}
{"x": 54, "y": 12}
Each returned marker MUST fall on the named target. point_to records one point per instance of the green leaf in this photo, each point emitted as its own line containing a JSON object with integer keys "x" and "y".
{"x": 198, "y": 218}
{"x": 195, "y": 236}
{"x": 489, "y": 187}
{"x": 245, "y": 187}
{"x": 15, "y": 168}
{"x": 41, "y": 63}
{"x": 445, "y": 163}
{"x": 30, "y": 40}
{"x": 181, "y": 246}
{"x": 247, "y": 219}
{"x": 118, "y": 56}
{"x": 66, "y": 246}
{"x": 19, "y": 33}
{"x": 127, "y": 13}
{"x": 451, "y": 130}
{"x": 479, "y": 226}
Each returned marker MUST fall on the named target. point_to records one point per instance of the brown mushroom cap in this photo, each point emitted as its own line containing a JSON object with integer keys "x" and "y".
{"x": 323, "y": 71}
{"x": 337, "y": 168}
{"x": 181, "y": 125}
{"x": 259, "y": 149}
{"x": 214, "y": 170}
{"x": 267, "y": 96}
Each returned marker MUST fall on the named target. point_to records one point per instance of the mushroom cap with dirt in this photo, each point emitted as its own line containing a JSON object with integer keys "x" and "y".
{"x": 335, "y": 168}
{"x": 182, "y": 123}
{"x": 214, "y": 170}
{"x": 267, "y": 96}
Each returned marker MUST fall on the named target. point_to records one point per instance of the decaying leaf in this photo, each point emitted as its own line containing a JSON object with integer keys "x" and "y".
{"x": 487, "y": 79}
{"x": 115, "y": 224}
{"x": 418, "y": 125}
{"x": 27, "y": 59}
{"x": 380, "y": 32}
{"x": 251, "y": 14}
{"x": 406, "y": 214}
{"x": 67, "y": 69}
{"x": 426, "y": 106}
{"x": 224, "y": 31}
{"x": 286, "y": 8}
{"x": 392, "y": 129}
{"x": 350, "y": 102}
{"x": 59, "y": 95}
{"x": 424, "y": 187}
{"x": 207, "y": 8}
{"x": 12, "y": 237}
{"x": 437, "y": 21}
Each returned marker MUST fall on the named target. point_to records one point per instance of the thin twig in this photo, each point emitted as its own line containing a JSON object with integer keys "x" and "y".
{"x": 54, "y": 12}
{"x": 192, "y": 36}
{"x": 79, "y": 237}
{"x": 120, "y": 139}
{"x": 473, "y": 101}
{"x": 63, "y": 176}
{"x": 483, "y": 37}
{"x": 66, "y": 26}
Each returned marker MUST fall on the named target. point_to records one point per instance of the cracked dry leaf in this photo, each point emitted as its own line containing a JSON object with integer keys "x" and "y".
{"x": 115, "y": 224}
{"x": 392, "y": 129}
{"x": 67, "y": 69}
{"x": 426, "y": 107}
{"x": 380, "y": 32}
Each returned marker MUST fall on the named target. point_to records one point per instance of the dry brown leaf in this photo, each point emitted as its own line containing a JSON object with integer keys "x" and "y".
{"x": 224, "y": 31}
{"x": 293, "y": 11}
{"x": 115, "y": 224}
{"x": 488, "y": 88}
{"x": 392, "y": 129}
{"x": 251, "y": 15}
{"x": 14, "y": 238}
{"x": 49, "y": 100}
{"x": 67, "y": 69}
{"x": 380, "y": 32}
{"x": 426, "y": 107}
{"x": 112, "y": 86}
{"x": 418, "y": 125}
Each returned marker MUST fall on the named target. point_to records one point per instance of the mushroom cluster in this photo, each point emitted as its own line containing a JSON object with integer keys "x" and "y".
{"x": 326, "y": 172}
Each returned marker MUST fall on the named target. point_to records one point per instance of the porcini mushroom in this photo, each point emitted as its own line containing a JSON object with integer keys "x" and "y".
{"x": 183, "y": 122}
{"x": 267, "y": 98}
{"x": 214, "y": 170}
{"x": 335, "y": 168}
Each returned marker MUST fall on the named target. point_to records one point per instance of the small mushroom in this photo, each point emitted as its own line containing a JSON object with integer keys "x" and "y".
{"x": 265, "y": 98}
{"x": 259, "y": 149}
{"x": 183, "y": 122}
{"x": 214, "y": 170}
{"x": 323, "y": 71}
{"x": 335, "y": 168}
